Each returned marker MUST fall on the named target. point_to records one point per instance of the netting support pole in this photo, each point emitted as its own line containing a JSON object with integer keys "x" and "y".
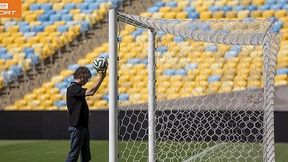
{"x": 113, "y": 93}
{"x": 151, "y": 97}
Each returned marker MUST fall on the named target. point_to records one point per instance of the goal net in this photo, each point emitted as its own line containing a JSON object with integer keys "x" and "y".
{"x": 191, "y": 90}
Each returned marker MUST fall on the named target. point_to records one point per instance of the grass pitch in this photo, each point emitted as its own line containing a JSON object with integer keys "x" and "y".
{"x": 56, "y": 151}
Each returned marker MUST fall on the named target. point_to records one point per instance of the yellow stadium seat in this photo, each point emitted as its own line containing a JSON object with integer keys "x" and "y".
{"x": 51, "y": 28}
{"x": 8, "y": 40}
{"x": 13, "y": 29}
{"x": 57, "y": 79}
{"x": 256, "y": 14}
{"x": 182, "y": 4}
{"x": 30, "y": 18}
{"x": 258, "y": 2}
{"x": 220, "y": 3}
{"x": 56, "y": 97}
{"x": 206, "y": 15}
{"x": 181, "y": 15}
{"x": 165, "y": 9}
{"x": 42, "y": 1}
{"x": 66, "y": 73}
{"x": 158, "y": 15}
{"x": 35, "y": 23}
{"x": 243, "y": 14}
{"x": 25, "y": 7}
{"x": 1, "y": 82}
{"x": 58, "y": 6}
{"x": 20, "y": 40}
{"x": 3, "y": 20}
{"x": 268, "y": 13}
{"x": 280, "y": 13}
{"x": 79, "y": 17}
{"x": 59, "y": 23}
{"x": 77, "y": 1}
{"x": 52, "y": 108}
{"x": 11, "y": 108}
{"x": 218, "y": 14}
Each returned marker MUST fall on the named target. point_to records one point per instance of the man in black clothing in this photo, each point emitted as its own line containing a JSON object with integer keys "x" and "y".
{"x": 79, "y": 114}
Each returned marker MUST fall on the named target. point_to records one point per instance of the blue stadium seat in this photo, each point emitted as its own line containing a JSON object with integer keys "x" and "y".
{"x": 134, "y": 61}
{"x": 29, "y": 34}
{"x": 160, "y": 4}
{"x": 60, "y": 103}
{"x": 169, "y": 72}
{"x": 16, "y": 69}
{"x": 3, "y": 50}
{"x": 89, "y": 11}
{"x": 67, "y": 17}
{"x": 50, "y": 12}
{"x": 277, "y": 26}
{"x": 84, "y": 26}
{"x": 56, "y": 17}
{"x": 214, "y": 78}
{"x": 6, "y": 56}
{"x": 171, "y": 4}
{"x": 189, "y": 9}
{"x": 83, "y": 6}
{"x": 8, "y": 76}
{"x": 239, "y": 8}
{"x": 227, "y": 8}
{"x": 46, "y": 6}
{"x": 38, "y": 28}
{"x": 93, "y": 6}
{"x": 153, "y": 9}
{"x": 70, "y": 6}
{"x": 35, "y": 6}
{"x": 73, "y": 67}
{"x": 251, "y": 7}
{"x": 162, "y": 49}
{"x": 47, "y": 23}
{"x": 264, "y": 7}
{"x": 231, "y": 54}
{"x": 178, "y": 39}
{"x": 25, "y": 29}
{"x": 62, "y": 85}
{"x": 191, "y": 66}
{"x": 9, "y": 23}
{"x": 137, "y": 32}
{"x": 62, "y": 12}
{"x": 211, "y": 48}
{"x": 22, "y": 23}
{"x": 44, "y": 17}
{"x": 63, "y": 28}
{"x": 181, "y": 72}
{"x": 123, "y": 97}
{"x": 282, "y": 71}
{"x": 193, "y": 15}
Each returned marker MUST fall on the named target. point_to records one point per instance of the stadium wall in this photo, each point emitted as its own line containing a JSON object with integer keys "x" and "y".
{"x": 53, "y": 124}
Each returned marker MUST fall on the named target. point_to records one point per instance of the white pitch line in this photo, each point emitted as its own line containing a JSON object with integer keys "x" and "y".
{"x": 203, "y": 152}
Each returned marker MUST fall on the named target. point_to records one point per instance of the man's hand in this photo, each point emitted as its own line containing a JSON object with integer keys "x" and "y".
{"x": 102, "y": 74}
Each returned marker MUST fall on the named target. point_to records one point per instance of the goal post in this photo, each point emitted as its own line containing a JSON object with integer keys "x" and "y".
{"x": 193, "y": 118}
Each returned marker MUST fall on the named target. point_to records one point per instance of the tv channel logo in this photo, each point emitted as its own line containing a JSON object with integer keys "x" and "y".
{"x": 10, "y": 8}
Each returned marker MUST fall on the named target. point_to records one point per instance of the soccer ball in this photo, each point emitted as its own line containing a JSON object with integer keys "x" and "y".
{"x": 100, "y": 64}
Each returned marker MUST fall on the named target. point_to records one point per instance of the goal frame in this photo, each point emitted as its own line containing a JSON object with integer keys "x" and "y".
{"x": 269, "y": 60}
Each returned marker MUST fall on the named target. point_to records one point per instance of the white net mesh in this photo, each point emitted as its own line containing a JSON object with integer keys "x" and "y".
{"x": 214, "y": 89}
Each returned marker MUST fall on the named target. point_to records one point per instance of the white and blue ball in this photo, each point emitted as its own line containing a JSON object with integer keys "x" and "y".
{"x": 100, "y": 64}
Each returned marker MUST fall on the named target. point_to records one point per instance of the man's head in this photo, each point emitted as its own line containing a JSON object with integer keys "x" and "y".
{"x": 82, "y": 75}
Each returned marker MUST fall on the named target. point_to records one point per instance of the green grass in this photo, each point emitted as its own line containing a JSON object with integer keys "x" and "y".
{"x": 56, "y": 150}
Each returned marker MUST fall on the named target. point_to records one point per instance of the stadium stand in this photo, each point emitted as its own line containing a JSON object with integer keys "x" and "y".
{"x": 45, "y": 27}
{"x": 211, "y": 74}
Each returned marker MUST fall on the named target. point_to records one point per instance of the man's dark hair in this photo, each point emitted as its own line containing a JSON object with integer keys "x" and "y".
{"x": 81, "y": 72}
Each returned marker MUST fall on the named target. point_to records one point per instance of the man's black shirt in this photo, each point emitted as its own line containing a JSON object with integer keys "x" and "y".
{"x": 77, "y": 105}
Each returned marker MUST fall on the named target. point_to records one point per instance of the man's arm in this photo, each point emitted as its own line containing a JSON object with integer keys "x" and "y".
{"x": 91, "y": 91}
